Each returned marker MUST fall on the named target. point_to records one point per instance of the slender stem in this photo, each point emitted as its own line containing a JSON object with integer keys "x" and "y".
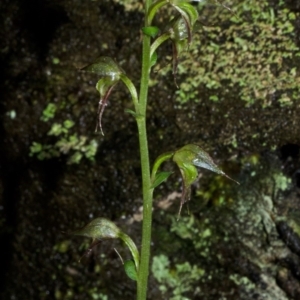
{"x": 132, "y": 247}
{"x": 158, "y": 162}
{"x": 158, "y": 42}
{"x": 143, "y": 271}
{"x": 153, "y": 9}
{"x": 132, "y": 91}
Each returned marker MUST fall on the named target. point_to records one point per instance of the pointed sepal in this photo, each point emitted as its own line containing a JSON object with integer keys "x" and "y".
{"x": 187, "y": 159}
{"x": 203, "y": 160}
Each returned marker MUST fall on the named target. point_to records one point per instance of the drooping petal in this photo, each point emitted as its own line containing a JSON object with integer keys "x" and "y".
{"x": 104, "y": 86}
{"x": 189, "y": 175}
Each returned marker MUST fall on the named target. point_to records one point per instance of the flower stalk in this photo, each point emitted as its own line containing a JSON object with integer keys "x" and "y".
{"x": 143, "y": 272}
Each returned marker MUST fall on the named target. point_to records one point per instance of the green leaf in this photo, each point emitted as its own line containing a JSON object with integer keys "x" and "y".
{"x": 159, "y": 178}
{"x": 151, "y": 31}
{"x": 130, "y": 269}
{"x": 131, "y": 112}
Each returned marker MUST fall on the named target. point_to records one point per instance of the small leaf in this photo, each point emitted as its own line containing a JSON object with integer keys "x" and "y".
{"x": 131, "y": 112}
{"x": 160, "y": 178}
{"x": 151, "y": 31}
{"x": 130, "y": 269}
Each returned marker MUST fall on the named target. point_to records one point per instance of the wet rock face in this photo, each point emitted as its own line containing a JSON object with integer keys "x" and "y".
{"x": 41, "y": 201}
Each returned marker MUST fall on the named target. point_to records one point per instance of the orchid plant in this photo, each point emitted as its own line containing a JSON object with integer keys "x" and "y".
{"x": 187, "y": 158}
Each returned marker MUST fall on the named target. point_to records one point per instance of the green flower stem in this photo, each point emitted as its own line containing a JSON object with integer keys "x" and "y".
{"x": 143, "y": 271}
{"x": 154, "y": 8}
{"x": 159, "y": 161}
{"x": 132, "y": 247}
{"x": 132, "y": 91}
{"x": 158, "y": 42}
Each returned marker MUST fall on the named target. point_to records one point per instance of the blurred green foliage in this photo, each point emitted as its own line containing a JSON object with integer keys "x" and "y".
{"x": 48, "y": 112}
{"x": 76, "y": 147}
{"x": 179, "y": 278}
